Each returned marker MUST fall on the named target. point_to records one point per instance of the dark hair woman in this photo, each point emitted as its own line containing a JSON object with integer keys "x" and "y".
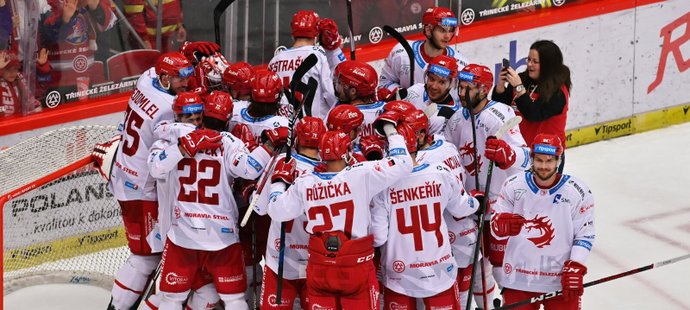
{"x": 540, "y": 93}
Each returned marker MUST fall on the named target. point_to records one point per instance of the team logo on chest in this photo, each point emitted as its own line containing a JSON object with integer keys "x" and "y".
{"x": 467, "y": 152}
{"x": 542, "y": 228}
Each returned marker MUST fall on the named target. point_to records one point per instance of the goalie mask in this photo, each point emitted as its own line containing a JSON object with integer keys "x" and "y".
{"x": 213, "y": 68}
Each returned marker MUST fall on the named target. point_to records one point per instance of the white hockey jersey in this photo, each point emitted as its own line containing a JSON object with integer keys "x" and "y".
{"x": 408, "y": 221}
{"x": 462, "y": 231}
{"x": 418, "y": 96}
{"x": 286, "y": 62}
{"x": 205, "y": 214}
{"x": 148, "y": 105}
{"x": 559, "y": 227}
{"x": 257, "y": 125}
{"x": 396, "y": 70}
{"x": 371, "y": 111}
{"x": 340, "y": 201}
{"x": 296, "y": 238}
{"x": 459, "y": 132}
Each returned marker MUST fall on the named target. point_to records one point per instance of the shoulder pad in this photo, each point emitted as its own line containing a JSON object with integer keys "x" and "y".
{"x": 228, "y": 135}
{"x": 581, "y": 189}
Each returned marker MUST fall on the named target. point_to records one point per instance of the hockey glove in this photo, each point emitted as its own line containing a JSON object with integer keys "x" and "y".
{"x": 480, "y": 196}
{"x": 244, "y": 188}
{"x": 507, "y": 224}
{"x": 572, "y": 279}
{"x": 500, "y": 152}
{"x": 372, "y": 147}
{"x": 387, "y": 117}
{"x": 284, "y": 172}
{"x": 204, "y": 48}
{"x": 242, "y": 132}
{"x": 200, "y": 139}
{"x": 103, "y": 156}
{"x": 275, "y": 138}
{"x": 329, "y": 37}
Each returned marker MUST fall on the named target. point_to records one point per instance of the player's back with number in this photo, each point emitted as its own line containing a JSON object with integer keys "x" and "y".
{"x": 409, "y": 223}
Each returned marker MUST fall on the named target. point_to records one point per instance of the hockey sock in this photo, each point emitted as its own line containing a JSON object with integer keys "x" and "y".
{"x": 204, "y": 297}
{"x": 234, "y": 301}
{"x": 131, "y": 280}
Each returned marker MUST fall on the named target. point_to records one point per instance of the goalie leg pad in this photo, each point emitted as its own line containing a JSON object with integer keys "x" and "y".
{"x": 131, "y": 279}
{"x": 139, "y": 217}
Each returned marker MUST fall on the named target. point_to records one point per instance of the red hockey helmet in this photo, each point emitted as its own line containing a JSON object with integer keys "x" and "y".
{"x": 547, "y": 144}
{"x": 309, "y": 131}
{"x": 266, "y": 87}
{"x": 344, "y": 117}
{"x": 443, "y": 66}
{"x": 417, "y": 120}
{"x": 218, "y": 105}
{"x": 478, "y": 75}
{"x": 304, "y": 24}
{"x": 334, "y": 145}
{"x": 238, "y": 76}
{"x": 214, "y": 66}
{"x": 174, "y": 64}
{"x": 188, "y": 103}
{"x": 409, "y": 135}
{"x": 439, "y": 16}
{"x": 400, "y": 106}
{"x": 359, "y": 75}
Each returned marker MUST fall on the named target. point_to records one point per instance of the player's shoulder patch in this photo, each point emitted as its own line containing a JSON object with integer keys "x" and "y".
{"x": 578, "y": 186}
{"x": 319, "y": 49}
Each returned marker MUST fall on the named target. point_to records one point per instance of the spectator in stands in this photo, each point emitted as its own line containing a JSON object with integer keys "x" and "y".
{"x": 540, "y": 93}
{"x": 68, "y": 31}
{"x": 143, "y": 17}
{"x": 9, "y": 21}
{"x": 13, "y": 88}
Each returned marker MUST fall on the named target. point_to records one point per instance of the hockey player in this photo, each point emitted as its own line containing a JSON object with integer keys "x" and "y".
{"x": 410, "y": 213}
{"x": 355, "y": 84}
{"x": 348, "y": 119}
{"x": 204, "y": 232}
{"x": 306, "y": 26}
{"x": 340, "y": 270}
{"x": 130, "y": 181}
{"x": 260, "y": 113}
{"x": 436, "y": 94}
{"x": 509, "y": 153}
{"x": 308, "y": 132}
{"x": 548, "y": 221}
{"x": 188, "y": 108}
{"x": 440, "y": 27}
{"x": 237, "y": 79}
{"x": 462, "y": 231}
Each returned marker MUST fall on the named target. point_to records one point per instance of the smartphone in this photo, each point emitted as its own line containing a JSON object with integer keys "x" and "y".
{"x": 506, "y": 63}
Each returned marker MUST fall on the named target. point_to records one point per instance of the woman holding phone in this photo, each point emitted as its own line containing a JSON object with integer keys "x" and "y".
{"x": 540, "y": 93}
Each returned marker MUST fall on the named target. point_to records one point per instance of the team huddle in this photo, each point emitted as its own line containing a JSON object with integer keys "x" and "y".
{"x": 362, "y": 185}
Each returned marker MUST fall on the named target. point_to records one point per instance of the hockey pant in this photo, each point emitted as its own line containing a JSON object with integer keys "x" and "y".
{"x": 181, "y": 266}
{"x": 512, "y": 296}
{"x": 291, "y": 289}
{"x": 344, "y": 278}
{"x": 448, "y": 299}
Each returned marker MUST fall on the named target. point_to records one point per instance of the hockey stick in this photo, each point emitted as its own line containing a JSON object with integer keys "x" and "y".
{"x": 305, "y": 66}
{"x": 550, "y": 295}
{"x": 351, "y": 29}
{"x": 406, "y": 45}
{"x": 482, "y": 207}
{"x": 217, "y": 13}
{"x": 283, "y": 225}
